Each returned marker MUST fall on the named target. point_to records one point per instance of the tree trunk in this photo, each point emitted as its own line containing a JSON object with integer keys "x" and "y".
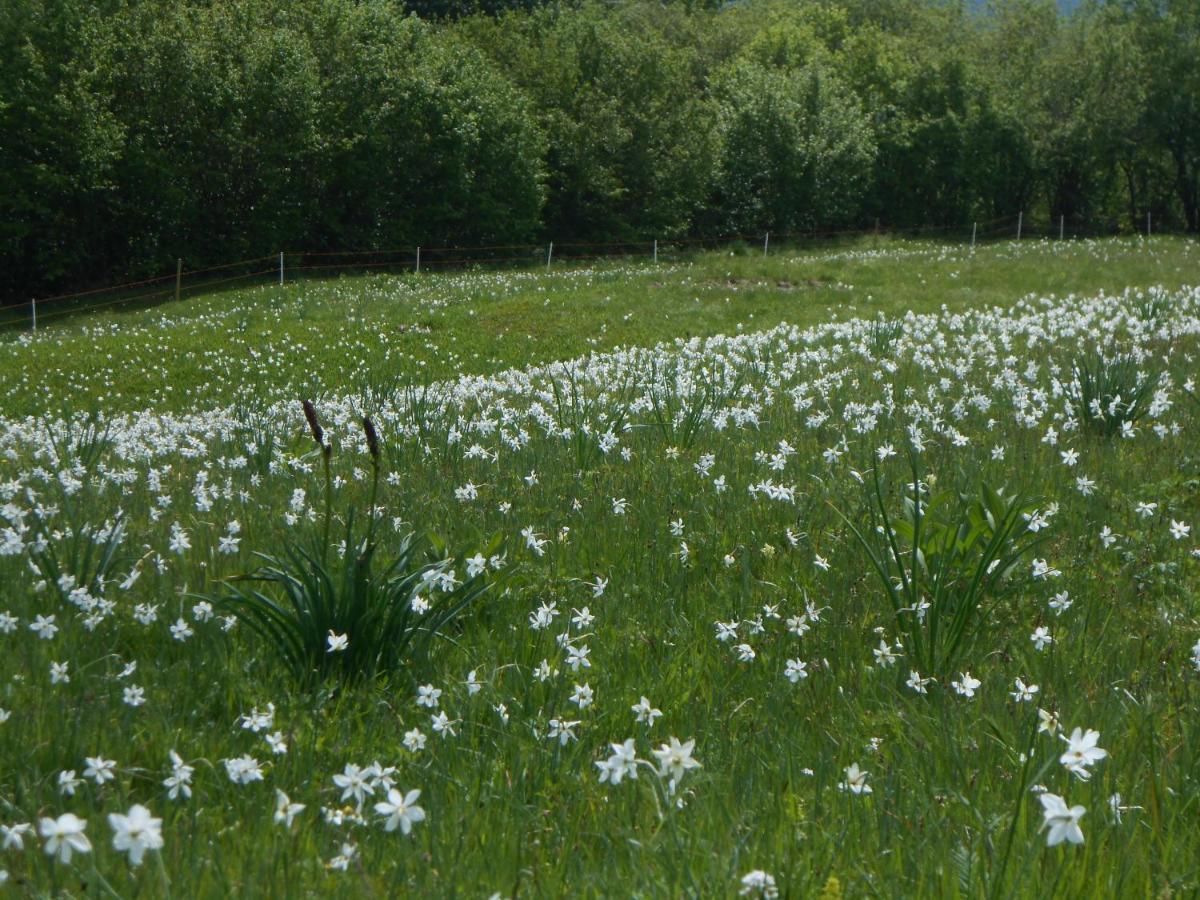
{"x": 1131, "y": 184}
{"x": 1188, "y": 182}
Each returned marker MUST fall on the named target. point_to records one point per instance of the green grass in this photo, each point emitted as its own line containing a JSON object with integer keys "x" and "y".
{"x": 951, "y": 812}
{"x": 371, "y": 332}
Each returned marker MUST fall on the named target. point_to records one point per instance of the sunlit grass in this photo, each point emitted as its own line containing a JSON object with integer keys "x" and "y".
{"x": 680, "y": 564}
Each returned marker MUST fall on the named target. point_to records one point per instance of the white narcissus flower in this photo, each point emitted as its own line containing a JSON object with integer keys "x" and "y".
{"x": 243, "y": 770}
{"x": 966, "y": 685}
{"x": 645, "y": 712}
{"x": 1048, "y": 722}
{"x": 354, "y": 783}
{"x": 885, "y": 656}
{"x": 136, "y": 832}
{"x": 796, "y": 670}
{"x": 99, "y": 769}
{"x": 401, "y": 810}
{"x": 917, "y": 683}
{"x": 14, "y": 835}
{"x": 674, "y": 759}
{"x": 65, "y": 836}
{"x": 759, "y": 884}
{"x": 285, "y": 809}
{"x": 1041, "y": 637}
{"x": 1082, "y": 752}
{"x": 623, "y": 762}
{"x": 179, "y": 782}
{"x": 337, "y": 642}
{"x": 1062, "y": 821}
{"x": 856, "y": 780}
{"x": 1024, "y": 692}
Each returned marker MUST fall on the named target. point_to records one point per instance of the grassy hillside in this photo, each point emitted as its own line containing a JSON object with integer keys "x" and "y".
{"x": 897, "y": 598}
{"x": 365, "y": 333}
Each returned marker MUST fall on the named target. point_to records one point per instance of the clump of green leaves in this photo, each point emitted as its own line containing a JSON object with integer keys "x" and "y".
{"x": 1107, "y": 392}
{"x": 680, "y": 415}
{"x": 1152, "y": 307}
{"x": 944, "y": 561}
{"x": 360, "y": 610}
{"x": 883, "y": 335}
{"x": 74, "y": 551}
{"x": 584, "y": 411}
{"x": 83, "y": 557}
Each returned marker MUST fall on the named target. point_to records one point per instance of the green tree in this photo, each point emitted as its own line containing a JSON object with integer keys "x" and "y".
{"x": 629, "y": 138}
{"x": 258, "y": 126}
{"x": 429, "y": 142}
{"x": 58, "y": 145}
{"x": 1169, "y": 38}
{"x": 796, "y": 149}
{"x": 219, "y": 109}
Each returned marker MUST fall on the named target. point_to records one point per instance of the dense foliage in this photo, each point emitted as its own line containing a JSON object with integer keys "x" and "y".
{"x": 135, "y": 132}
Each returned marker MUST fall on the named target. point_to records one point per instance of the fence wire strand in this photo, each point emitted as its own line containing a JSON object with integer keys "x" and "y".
{"x": 420, "y": 259}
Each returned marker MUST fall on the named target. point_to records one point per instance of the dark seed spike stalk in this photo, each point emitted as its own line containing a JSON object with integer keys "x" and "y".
{"x": 318, "y": 433}
{"x": 310, "y": 413}
{"x": 372, "y": 438}
{"x": 373, "y": 449}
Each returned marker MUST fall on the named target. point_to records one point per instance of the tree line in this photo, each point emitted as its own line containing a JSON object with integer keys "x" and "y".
{"x": 135, "y": 132}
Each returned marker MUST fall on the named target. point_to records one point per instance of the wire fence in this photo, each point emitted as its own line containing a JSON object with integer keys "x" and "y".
{"x": 291, "y": 266}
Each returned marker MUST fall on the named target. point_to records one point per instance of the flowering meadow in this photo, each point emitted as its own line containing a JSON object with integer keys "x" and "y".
{"x": 868, "y": 572}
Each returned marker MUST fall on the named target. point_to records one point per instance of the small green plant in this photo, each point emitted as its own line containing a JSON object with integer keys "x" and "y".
{"x": 75, "y": 552}
{"x": 83, "y": 556}
{"x": 1152, "y": 307}
{"x": 943, "y": 562}
{"x": 883, "y": 334}
{"x": 588, "y": 417}
{"x": 1107, "y": 393}
{"x": 78, "y": 440}
{"x": 680, "y": 415}
{"x": 347, "y": 613}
